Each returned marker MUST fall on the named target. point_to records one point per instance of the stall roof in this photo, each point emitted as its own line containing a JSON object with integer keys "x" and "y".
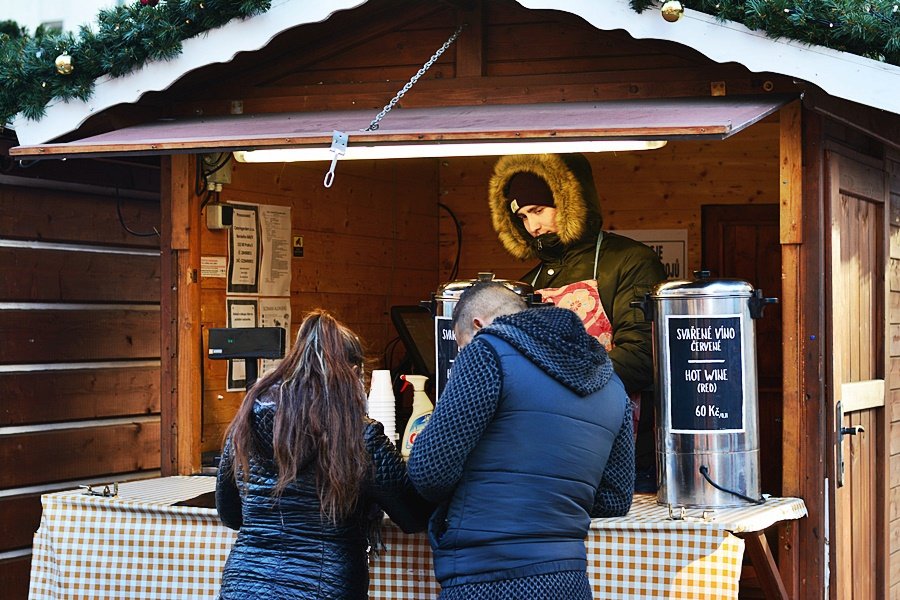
{"x": 839, "y": 74}
{"x": 705, "y": 118}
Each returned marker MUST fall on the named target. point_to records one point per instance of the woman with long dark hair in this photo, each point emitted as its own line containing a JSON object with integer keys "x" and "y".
{"x": 304, "y": 475}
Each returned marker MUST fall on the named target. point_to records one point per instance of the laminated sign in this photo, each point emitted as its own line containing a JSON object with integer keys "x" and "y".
{"x": 706, "y": 366}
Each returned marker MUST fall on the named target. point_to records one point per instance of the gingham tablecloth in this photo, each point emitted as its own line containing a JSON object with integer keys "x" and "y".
{"x": 138, "y": 546}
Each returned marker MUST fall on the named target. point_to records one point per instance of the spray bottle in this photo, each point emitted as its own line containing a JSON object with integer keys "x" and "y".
{"x": 421, "y": 412}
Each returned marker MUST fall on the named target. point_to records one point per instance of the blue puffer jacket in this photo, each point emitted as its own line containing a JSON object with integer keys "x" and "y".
{"x": 521, "y": 478}
{"x": 285, "y": 549}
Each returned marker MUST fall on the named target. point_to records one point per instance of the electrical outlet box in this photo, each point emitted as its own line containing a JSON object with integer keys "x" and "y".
{"x": 217, "y": 168}
{"x": 219, "y": 216}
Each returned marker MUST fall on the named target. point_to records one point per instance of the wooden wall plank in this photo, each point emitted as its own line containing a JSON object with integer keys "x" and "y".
{"x": 48, "y": 396}
{"x": 894, "y": 242}
{"x": 60, "y": 455}
{"x": 862, "y": 464}
{"x": 14, "y": 577}
{"x": 893, "y": 414}
{"x": 894, "y": 541}
{"x": 894, "y": 505}
{"x": 48, "y": 208}
{"x": 21, "y": 517}
{"x": 31, "y": 275}
{"x": 893, "y": 300}
{"x": 894, "y": 441}
{"x": 55, "y": 216}
{"x": 894, "y": 470}
{"x": 75, "y": 335}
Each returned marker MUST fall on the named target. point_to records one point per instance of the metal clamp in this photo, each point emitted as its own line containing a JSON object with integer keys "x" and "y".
{"x": 681, "y": 515}
{"x": 339, "y": 148}
{"x": 106, "y": 492}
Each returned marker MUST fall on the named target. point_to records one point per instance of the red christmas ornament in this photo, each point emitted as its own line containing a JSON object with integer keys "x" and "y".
{"x": 149, "y": 2}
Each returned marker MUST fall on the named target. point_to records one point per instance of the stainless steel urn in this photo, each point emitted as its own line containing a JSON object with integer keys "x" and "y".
{"x": 707, "y": 418}
{"x": 442, "y": 305}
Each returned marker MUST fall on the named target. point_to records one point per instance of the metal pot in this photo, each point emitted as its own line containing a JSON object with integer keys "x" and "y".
{"x": 443, "y": 302}
{"x": 707, "y": 419}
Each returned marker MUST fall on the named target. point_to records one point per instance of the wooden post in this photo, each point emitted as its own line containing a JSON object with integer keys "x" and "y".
{"x": 791, "y": 238}
{"x": 181, "y": 360}
{"x": 801, "y": 553}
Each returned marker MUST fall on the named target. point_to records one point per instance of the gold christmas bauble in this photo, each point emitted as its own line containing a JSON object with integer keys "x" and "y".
{"x": 672, "y": 10}
{"x": 64, "y": 64}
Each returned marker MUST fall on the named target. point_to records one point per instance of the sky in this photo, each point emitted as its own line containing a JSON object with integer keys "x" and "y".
{"x": 70, "y": 13}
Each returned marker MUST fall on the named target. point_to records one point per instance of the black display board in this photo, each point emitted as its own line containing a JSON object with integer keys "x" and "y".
{"x": 706, "y": 365}
{"x": 445, "y": 341}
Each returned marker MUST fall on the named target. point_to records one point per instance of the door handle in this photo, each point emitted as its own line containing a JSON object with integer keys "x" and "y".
{"x": 841, "y": 432}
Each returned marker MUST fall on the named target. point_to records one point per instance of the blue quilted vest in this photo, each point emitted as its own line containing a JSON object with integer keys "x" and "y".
{"x": 522, "y": 505}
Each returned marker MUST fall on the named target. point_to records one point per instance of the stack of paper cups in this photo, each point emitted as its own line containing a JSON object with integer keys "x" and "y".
{"x": 381, "y": 405}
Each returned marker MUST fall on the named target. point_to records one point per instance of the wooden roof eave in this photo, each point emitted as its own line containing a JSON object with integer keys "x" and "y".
{"x": 840, "y": 74}
{"x": 658, "y": 119}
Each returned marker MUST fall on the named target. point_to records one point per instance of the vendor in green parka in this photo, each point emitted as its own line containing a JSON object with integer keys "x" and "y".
{"x": 545, "y": 207}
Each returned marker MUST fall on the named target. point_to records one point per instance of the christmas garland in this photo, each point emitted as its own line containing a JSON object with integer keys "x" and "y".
{"x": 869, "y": 28}
{"x": 51, "y": 64}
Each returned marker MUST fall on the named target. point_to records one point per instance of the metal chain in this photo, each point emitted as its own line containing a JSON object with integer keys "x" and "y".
{"x": 387, "y": 107}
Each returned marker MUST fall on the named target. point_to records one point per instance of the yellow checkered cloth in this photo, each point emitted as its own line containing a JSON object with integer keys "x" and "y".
{"x": 135, "y": 545}
{"x": 138, "y": 546}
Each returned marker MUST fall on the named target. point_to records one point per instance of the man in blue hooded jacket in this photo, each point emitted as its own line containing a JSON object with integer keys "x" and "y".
{"x": 530, "y": 439}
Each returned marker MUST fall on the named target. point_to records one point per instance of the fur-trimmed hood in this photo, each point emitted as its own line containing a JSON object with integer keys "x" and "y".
{"x": 574, "y": 195}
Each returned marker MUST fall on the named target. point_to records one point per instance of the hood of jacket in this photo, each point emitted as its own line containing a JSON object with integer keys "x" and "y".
{"x": 555, "y": 340}
{"x": 574, "y": 196}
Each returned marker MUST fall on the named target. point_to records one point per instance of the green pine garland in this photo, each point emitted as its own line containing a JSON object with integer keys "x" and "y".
{"x": 869, "y": 28}
{"x": 123, "y": 39}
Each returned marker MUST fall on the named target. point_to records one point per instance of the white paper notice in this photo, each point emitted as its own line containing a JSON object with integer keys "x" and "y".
{"x": 214, "y": 266}
{"x": 275, "y": 267}
{"x": 244, "y": 251}
{"x": 275, "y": 312}
{"x": 241, "y": 313}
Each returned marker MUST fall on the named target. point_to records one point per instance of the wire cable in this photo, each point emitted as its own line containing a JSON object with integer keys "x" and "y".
{"x": 459, "y": 239}
{"x": 125, "y": 227}
{"x": 704, "y": 470}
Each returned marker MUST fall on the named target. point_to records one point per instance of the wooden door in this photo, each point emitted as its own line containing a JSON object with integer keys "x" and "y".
{"x": 855, "y": 286}
{"x": 742, "y": 242}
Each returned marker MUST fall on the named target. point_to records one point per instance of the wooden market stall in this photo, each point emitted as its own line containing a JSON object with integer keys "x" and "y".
{"x": 773, "y": 176}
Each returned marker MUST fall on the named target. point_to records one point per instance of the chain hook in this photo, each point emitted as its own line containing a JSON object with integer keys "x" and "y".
{"x": 374, "y": 125}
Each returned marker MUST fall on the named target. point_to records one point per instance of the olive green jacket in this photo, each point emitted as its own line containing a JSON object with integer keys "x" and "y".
{"x": 626, "y": 269}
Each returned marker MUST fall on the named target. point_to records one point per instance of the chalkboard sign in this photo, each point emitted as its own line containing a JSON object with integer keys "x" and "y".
{"x": 706, "y": 370}
{"x": 446, "y": 348}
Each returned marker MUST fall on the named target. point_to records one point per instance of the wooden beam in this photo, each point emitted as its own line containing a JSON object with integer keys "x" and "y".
{"x": 806, "y": 442}
{"x": 470, "y": 45}
{"x": 791, "y": 173}
{"x": 181, "y": 360}
{"x": 792, "y": 410}
{"x": 761, "y": 557}
{"x": 791, "y": 203}
{"x": 815, "y": 439}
